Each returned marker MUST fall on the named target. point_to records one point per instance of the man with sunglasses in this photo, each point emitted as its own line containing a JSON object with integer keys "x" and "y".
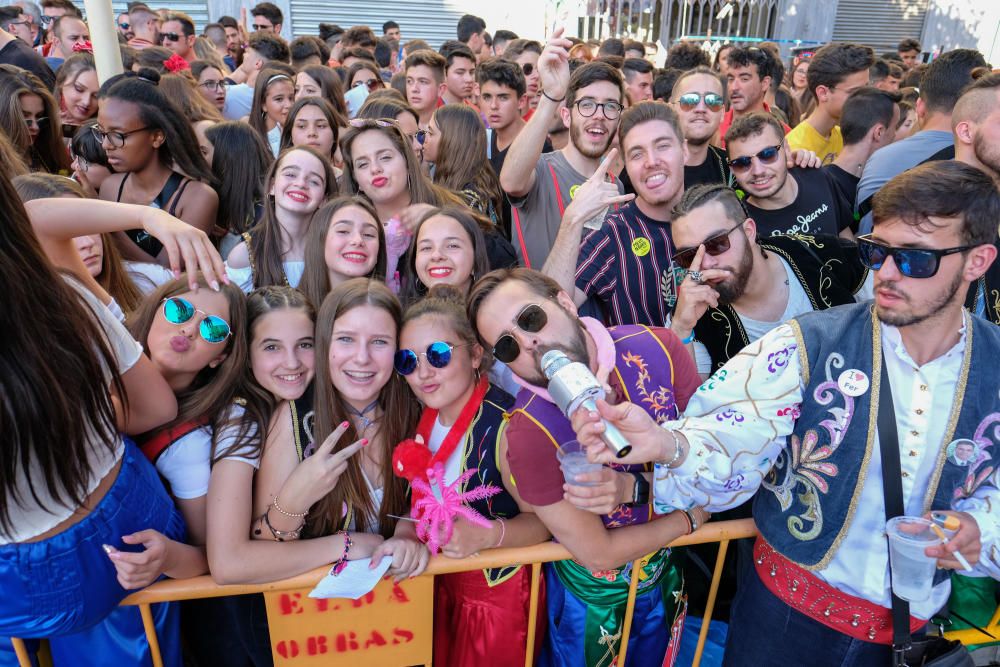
{"x": 15, "y": 51}
{"x": 267, "y": 17}
{"x": 779, "y": 199}
{"x": 698, "y": 97}
{"x": 520, "y": 314}
{"x": 177, "y": 34}
{"x": 541, "y": 186}
{"x": 793, "y": 418}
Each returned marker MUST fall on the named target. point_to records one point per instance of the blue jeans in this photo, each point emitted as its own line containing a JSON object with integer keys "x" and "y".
{"x": 65, "y": 588}
{"x": 764, "y": 631}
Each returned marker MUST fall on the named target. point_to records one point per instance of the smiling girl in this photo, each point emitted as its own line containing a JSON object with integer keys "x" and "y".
{"x": 273, "y": 252}
{"x": 345, "y": 241}
{"x": 480, "y": 616}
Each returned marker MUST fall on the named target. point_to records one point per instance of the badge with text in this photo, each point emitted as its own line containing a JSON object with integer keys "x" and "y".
{"x": 853, "y": 382}
{"x": 641, "y": 246}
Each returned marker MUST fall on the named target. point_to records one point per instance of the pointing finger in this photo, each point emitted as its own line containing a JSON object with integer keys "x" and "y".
{"x": 698, "y": 257}
{"x": 602, "y": 171}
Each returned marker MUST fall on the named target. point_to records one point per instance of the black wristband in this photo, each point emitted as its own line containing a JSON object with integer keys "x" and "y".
{"x": 549, "y": 97}
{"x": 640, "y": 494}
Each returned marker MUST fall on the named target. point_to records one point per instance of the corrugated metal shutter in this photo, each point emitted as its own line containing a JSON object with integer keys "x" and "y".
{"x": 880, "y": 24}
{"x": 431, "y": 20}
{"x": 196, "y": 9}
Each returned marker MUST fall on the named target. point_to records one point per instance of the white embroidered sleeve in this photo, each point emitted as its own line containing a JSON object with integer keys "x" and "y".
{"x": 984, "y": 506}
{"x": 736, "y": 425}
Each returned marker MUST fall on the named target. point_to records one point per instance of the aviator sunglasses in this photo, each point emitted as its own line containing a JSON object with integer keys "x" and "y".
{"x": 766, "y": 156}
{"x": 438, "y": 355}
{"x": 178, "y": 311}
{"x": 689, "y": 101}
{"x": 531, "y": 319}
{"x": 911, "y": 262}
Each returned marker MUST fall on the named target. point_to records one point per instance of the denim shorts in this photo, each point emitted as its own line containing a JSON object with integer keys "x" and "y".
{"x": 66, "y": 584}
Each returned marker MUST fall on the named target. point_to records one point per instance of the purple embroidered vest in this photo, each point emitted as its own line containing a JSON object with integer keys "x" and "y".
{"x": 645, "y": 373}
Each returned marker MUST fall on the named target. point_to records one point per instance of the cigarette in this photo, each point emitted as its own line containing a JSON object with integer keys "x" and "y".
{"x": 957, "y": 554}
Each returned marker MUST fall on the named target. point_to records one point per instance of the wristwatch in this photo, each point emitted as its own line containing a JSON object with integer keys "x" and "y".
{"x": 640, "y": 492}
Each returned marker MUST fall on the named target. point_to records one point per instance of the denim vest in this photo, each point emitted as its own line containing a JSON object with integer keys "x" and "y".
{"x": 810, "y": 496}
{"x": 645, "y": 372}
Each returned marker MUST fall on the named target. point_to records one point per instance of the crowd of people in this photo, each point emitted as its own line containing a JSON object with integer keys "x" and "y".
{"x": 266, "y": 301}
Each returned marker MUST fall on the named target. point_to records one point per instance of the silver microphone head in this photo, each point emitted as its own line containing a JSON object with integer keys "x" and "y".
{"x": 552, "y": 361}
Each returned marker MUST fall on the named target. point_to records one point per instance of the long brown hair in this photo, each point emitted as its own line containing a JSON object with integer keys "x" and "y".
{"x": 400, "y": 412}
{"x": 63, "y": 408}
{"x": 241, "y": 159}
{"x": 213, "y": 391}
{"x": 47, "y": 152}
{"x": 265, "y": 237}
{"x": 316, "y": 276}
{"x": 331, "y": 87}
{"x": 293, "y": 113}
{"x": 71, "y": 69}
{"x": 460, "y": 164}
{"x": 268, "y": 76}
{"x": 182, "y": 91}
{"x": 422, "y": 189}
{"x": 114, "y": 278}
{"x": 473, "y": 225}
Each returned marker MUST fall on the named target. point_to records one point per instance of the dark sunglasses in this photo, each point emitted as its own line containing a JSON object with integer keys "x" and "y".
{"x": 766, "y": 156}
{"x": 438, "y": 355}
{"x": 527, "y": 68}
{"x": 689, "y": 101}
{"x": 372, "y": 84}
{"x": 420, "y": 136}
{"x": 911, "y": 262}
{"x": 178, "y": 311}
{"x": 124, "y": 26}
{"x": 714, "y": 246}
{"x": 172, "y": 36}
{"x": 531, "y": 319}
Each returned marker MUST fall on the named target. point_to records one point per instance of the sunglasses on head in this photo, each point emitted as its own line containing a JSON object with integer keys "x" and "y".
{"x": 369, "y": 123}
{"x": 689, "y": 101}
{"x": 911, "y": 262}
{"x": 178, "y": 311}
{"x": 172, "y": 36}
{"x": 714, "y": 246}
{"x": 438, "y": 355}
{"x": 766, "y": 156}
{"x": 531, "y": 319}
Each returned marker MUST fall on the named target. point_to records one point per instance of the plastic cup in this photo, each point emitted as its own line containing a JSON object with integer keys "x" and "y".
{"x": 912, "y": 570}
{"x": 573, "y": 461}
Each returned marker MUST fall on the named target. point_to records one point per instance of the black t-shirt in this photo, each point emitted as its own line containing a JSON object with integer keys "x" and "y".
{"x": 497, "y": 157}
{"x": 715, "y": 169}
{"x": 846, "y": 185}
{"x": 20, "y": 54}
{"x": 817, "y": 209}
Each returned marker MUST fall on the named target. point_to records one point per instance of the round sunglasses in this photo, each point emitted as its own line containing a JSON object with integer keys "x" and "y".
{"x": 911, "y": 262}
{"x": 714, "y": 246}
{"x": 211, "y": 328}
{"x": 531, "y": 319}
{"x": 766, "y": 156}
{"x": 438, "y": 355}
{"x": 689, "y": 101}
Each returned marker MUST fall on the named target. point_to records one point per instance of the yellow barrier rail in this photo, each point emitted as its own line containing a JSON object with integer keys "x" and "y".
{"x": 722, "y": 532}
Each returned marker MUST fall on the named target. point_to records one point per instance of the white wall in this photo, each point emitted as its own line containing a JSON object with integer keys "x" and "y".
{"x": 963, "y": 23}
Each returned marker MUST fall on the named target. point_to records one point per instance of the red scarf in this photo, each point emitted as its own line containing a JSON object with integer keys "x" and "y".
{"x": 411, "y": 459}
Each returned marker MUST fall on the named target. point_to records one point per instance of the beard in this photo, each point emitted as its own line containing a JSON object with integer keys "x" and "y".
{"x": 987, "y": 154}
{"x": 576, "y": 136}
{"x": 913, "y": 316}
{"x": 575, "y": 349}
{"x": 731, "y": 289}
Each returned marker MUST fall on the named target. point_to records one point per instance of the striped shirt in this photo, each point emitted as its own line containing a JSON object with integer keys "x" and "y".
{"x": 626, "y": 265}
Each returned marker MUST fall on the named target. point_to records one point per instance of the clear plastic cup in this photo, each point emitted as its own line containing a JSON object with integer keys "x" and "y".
{"x": 573, "y": 461}
{"x": 912, "y": 570}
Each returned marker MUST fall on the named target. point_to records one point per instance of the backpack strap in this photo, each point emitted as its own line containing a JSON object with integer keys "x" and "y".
{"x": 157, "y": 443}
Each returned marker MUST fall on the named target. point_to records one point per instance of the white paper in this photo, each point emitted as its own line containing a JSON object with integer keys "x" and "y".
{"x": 353, "y": 581}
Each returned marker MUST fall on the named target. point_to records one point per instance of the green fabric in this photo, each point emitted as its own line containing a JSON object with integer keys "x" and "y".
{"x": 975, "y": 598}
{"x": 606, "y": 596}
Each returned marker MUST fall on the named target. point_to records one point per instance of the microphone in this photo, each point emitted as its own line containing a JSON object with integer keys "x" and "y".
{"x": 573, "y": 386}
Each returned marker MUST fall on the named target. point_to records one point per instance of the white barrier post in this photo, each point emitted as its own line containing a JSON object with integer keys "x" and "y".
{"x": 104, "y": 37}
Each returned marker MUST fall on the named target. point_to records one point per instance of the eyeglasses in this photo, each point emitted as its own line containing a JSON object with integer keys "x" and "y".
{"x": 588, "y": 107}
{"x": 124, "y": 26}
{"x": 911, "y": 262}
{"x": 211, "y": 328}
{"x": 766, "y": 156}
{"x": 172, "y": 36}
{"x": 527, "y": 68}
{"x": 115, "y": 139}
{"x": 438, "y": 355}
{"x": 372, "y": 84}
{"x": 39, "y": 122}
{"x": 714, "y": 246}
{"x": 689, "y": 101}
{"x": 213, "y": 85}
{"x": 531, "y": 319}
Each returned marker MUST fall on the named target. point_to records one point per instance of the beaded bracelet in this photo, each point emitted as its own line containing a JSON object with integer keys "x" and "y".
{"x": 341, "y": 563}
{"x": 503, "y": 533}
{"x": 293, "y": 515}
{"x": 678, "y": 450}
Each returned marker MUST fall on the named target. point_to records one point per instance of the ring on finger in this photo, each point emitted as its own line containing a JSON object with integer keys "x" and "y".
{"x": 695, "y": 276}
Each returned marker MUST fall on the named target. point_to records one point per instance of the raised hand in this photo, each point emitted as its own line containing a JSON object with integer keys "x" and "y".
{"x": 318, "y": 474}
{"x": 596, "y": 194}
{"x": 553, "y": 65}
{"x": 188, "y": 248}
{"x": 695, "y": 295}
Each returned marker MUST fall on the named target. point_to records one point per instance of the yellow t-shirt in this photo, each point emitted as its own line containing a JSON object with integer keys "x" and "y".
{"x": 805, "y": 136}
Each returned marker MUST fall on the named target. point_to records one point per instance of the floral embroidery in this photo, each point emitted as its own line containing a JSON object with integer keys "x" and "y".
{"x": 805, "y": 475}
{"x": 779, "y": 359}
{"x": 987, "y": 431}
{"x": 660, "y": 401}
